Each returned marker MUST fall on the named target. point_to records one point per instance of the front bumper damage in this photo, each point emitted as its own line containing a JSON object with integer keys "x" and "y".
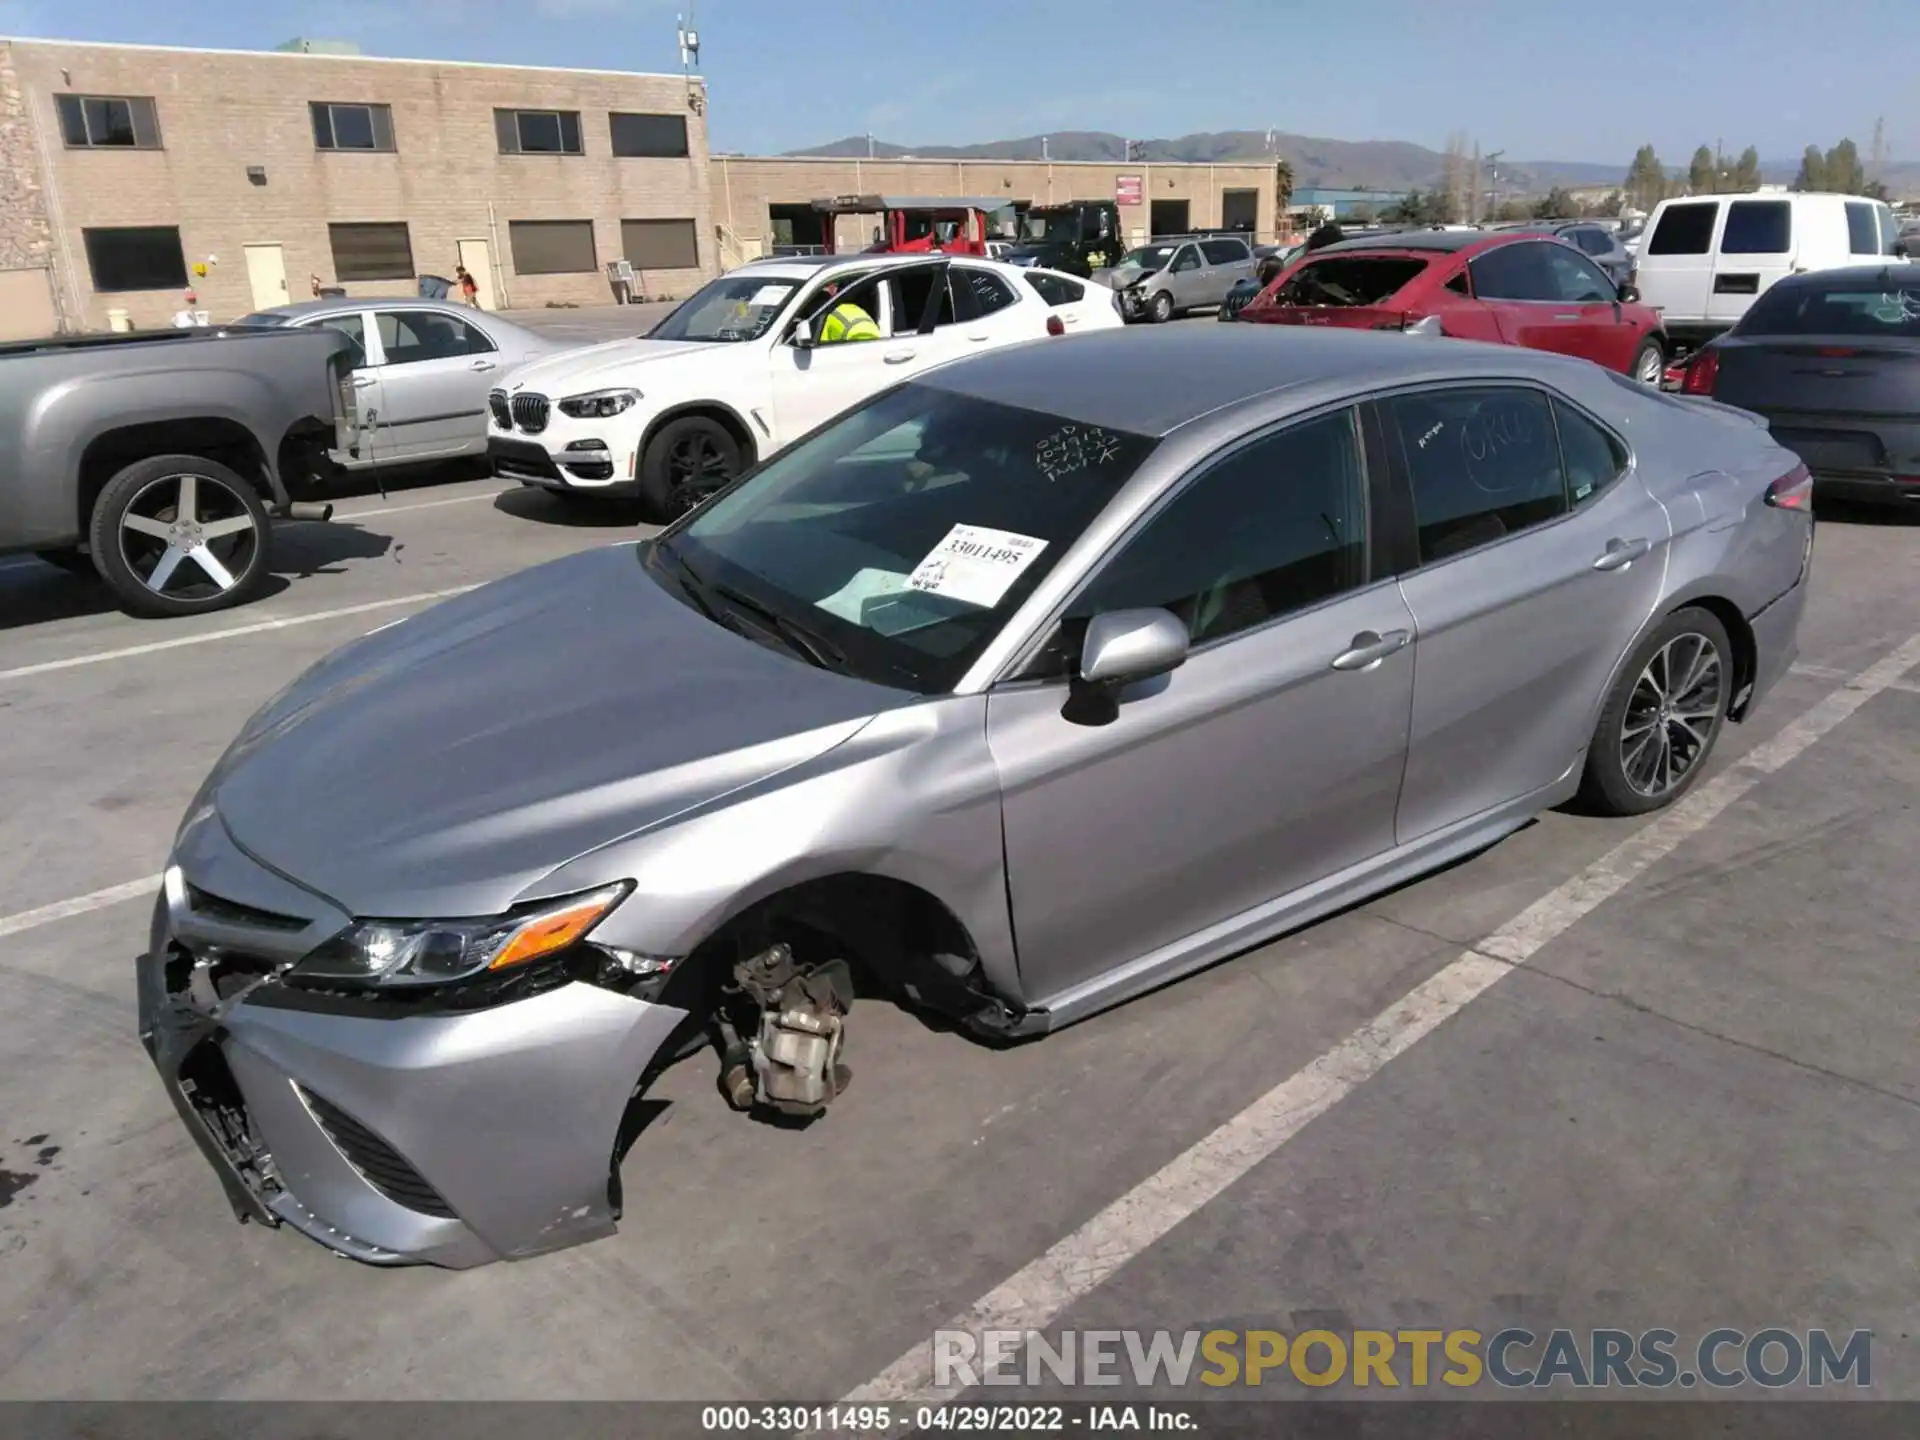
{"x": 388, "y": 1135}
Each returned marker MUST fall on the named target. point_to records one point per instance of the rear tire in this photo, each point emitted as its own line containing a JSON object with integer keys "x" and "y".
{"x": 180, "y": 535}
{"x": 1649, "y": 363}
{"x": 1661, "y": 720}
{"x": 686, "y": 461}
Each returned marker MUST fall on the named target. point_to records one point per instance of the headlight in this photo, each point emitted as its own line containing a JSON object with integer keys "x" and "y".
{"x": 434, "y": 952}
{"x": 598, "y": 404}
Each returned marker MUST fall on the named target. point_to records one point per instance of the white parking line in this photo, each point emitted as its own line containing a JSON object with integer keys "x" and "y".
{"x": 79, "y": 905}
{"x": 207, "y": 637}
{"x": 423, "y": 504}
{"x": 1828, "y": 672}
{"x": 1037, "y": 1294}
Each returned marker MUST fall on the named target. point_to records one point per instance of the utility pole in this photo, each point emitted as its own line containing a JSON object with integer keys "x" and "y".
{"x": 1043, "y": 150}
{"x": 870, "y": 145}
{"x": 1493, "y": 162}
{"x": 1877, "y": 156}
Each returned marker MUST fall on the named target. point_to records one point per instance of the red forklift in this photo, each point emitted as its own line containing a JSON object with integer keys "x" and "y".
{"x": 910, "y": 223}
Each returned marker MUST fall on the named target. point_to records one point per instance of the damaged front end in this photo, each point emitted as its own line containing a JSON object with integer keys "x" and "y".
{"x": 419, "y": 1126}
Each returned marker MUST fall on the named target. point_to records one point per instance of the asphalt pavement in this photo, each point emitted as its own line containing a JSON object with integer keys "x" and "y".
{"x": 1606, "y": 1074}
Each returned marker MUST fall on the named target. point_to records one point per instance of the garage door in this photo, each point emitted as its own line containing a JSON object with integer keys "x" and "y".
{"x": 26, "y": 305}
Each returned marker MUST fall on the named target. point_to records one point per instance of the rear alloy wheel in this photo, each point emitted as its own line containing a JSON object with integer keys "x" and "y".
{"x": 688, "y": 460}
{"x": 1162, "y": 308}
{"x": 179, "y": 535}
{"x": 1661, "y": 721}
{"x": 1649, "y": 364}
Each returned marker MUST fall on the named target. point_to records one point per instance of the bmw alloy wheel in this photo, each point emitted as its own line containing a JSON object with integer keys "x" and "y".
{"x": 1672, "y": 714}
{"x": 696, "y": 468}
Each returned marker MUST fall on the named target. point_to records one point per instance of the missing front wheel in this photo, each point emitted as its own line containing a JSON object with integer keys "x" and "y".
{"x": 782, "y": 1026}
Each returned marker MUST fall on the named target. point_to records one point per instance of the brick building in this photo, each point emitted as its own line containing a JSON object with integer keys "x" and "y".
{"x": 125, "y": 169}
{"x": 760, "y": 202}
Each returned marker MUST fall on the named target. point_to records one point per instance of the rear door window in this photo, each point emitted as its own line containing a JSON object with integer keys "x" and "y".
{"x": 1055, "y": 289}
{"x": 1685, "y": 229}
{"x": 1224, "y": 252}
{"x": 1517, "y": 272}
{"x": 1350, "y": 280}
{"x": 1484, "y": 464}
{"x": 979, "y": 293}
{"x": 1594, "y": 459}
{"x": 1758, "y": 227}
{"x": 1863, "y": 228}
{"x": 910, "y": 299}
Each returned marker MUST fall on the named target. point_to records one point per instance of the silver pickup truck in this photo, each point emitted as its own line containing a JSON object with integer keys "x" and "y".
{"x": 158, "y": 460}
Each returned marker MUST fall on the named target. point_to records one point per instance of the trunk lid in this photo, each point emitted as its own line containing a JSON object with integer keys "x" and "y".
{"x": 1840, "y": 375}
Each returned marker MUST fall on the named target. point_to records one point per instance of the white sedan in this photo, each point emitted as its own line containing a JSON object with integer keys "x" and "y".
{"x": 742, "y": 369}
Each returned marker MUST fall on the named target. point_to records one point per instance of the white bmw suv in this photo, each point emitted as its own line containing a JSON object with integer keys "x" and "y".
{"x": 740, "y": 370}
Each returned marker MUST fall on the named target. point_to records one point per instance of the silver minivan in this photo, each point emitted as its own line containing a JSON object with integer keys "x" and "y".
{"x": 1170, "y": 277}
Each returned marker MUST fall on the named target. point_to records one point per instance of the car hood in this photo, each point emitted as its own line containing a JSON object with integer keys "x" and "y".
{"x": 441, "y": 766}
{"x": 597, "y": 366}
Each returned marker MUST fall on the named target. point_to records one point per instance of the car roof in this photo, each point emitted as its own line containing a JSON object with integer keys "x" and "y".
{"x": 805, "y": 267}
{"x": 1443, "y": 242}
{"x": 1892, "y": 270}
{"x": 1153, "y": 381}
{"x": 347, "y": 304}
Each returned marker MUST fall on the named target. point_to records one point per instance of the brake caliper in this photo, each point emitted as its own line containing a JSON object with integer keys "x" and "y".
{"x": 791, "y": 1060}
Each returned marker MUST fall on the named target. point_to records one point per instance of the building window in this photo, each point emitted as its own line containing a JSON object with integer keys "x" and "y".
{"x": 141, "y": 257}
{"x": 537, "y": 132}
{"x": 378, "y": 251}
{"x": 661, "y": 136}
{"x": 107, "y": 121}
{"x": 352, "y": 127}
{"x": 660, "y": 244}
{"x": 552, "y": 247}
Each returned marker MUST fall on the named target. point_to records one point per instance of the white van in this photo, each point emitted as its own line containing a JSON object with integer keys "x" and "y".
{"x": 1703, "y": 259}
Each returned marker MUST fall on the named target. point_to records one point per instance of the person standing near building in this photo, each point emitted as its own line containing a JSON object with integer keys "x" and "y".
{"x": 469, "y": 287}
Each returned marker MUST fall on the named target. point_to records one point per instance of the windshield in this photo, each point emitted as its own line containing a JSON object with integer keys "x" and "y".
{"x": 1149, "y": 257}
{"x": 732, "y": 308}
{"x": 1349, "y": 280}
{"x": 897, "y": 541}
{"x": 1889, "y": 308}
{"x": 1063, "y": 227}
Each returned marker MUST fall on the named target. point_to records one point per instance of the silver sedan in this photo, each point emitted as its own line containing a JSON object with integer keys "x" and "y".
{"x": 423, "y": 371}
{"x": 1018, "y": 691}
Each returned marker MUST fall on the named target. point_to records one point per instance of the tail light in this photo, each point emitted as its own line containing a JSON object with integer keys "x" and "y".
{"x": 1792, "y": 491}
{"x": 1702, "y": 371}
{"x": 1055, "y": 325}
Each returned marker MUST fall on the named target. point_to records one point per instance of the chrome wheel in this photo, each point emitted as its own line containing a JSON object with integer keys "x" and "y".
{"x": 1651, "y": 367}
{"x": 188, "y": 537}
{"x": 1672, "y": 714}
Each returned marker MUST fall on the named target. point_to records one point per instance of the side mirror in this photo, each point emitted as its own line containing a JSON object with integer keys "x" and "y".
{"x": 1427, "y": 325}
{"x": 1123, "y": 646}
{"x": 1900, "y": 249}
{"x": 1629, "y": 294}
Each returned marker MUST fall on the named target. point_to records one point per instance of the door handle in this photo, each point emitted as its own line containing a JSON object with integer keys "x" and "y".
{"x": 1575, "y": 316}
{"x": 979, "y": 336}
{"x": 1621, "y": 553}
{"x": 1369, "y": 648}
{"x": 897, "y": 357}
{"x": 481, "y": 365}
{"x": 363, "y": 382}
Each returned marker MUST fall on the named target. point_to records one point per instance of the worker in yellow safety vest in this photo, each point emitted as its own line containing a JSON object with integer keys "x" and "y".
{"x": 846, "y": 321}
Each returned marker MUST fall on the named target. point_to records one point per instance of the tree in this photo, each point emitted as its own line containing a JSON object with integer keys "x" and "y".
{"x": 1513, "y": 210}
{"x": 1646, "y": 183}
{"x": 1844, "y": 171}
{"x": 1557, "y": 204}
{"x": 1282, "y": 185}
{"x": 1813, "y": 170}
{"x": 1610, "y": 206}
{"x": 1701, "y": 176}
{"x": 1746, "y": 172}
{"x": 1875, "y": 190}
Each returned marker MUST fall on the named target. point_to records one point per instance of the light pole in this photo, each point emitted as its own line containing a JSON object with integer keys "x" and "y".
{"x": 1493, "y": 163}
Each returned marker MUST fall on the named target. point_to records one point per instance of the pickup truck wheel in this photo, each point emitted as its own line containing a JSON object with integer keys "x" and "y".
{"x": 179, "y": 535}
{"x": 686, "y": 461}
{"x": 70, "y": 559}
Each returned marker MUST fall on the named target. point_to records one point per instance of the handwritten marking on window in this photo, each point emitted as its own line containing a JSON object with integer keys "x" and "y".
{"x": 1073, "y": 448}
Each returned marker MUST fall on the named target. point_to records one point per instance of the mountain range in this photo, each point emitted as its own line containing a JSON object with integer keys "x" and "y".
{"x": 1317, "y": 162}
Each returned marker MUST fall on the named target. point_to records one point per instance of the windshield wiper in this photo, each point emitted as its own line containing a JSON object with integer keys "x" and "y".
{"x": 816, "y": 649}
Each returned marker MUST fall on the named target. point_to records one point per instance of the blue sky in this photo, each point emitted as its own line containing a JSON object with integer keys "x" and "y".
{"x": 1549, "y": 79}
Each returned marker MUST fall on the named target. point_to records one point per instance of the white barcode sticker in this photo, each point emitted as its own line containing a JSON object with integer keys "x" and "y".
{"x": 975, "y": 565}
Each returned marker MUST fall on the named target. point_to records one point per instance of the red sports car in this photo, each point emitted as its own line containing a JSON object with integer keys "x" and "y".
{"x": 1509, "y": 288}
